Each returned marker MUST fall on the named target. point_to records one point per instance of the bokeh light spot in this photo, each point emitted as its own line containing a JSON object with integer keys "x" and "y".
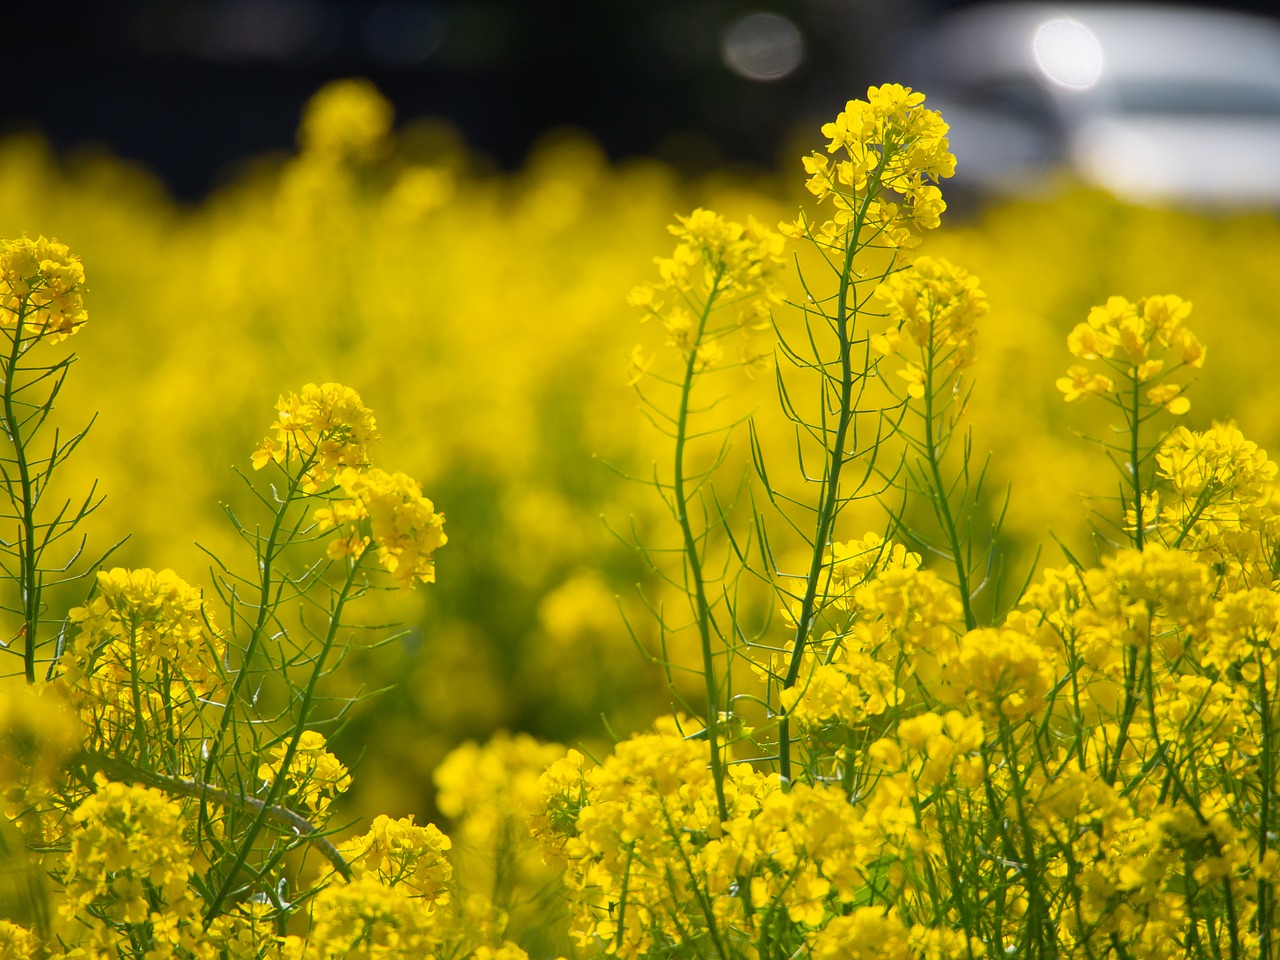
{"x": 1068, "y": 53}
{"x": 762, "y": 46}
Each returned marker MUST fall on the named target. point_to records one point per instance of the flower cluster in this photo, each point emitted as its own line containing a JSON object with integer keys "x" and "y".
{"x": 347, "y": 119}
{"x": 894, "y": 147}
{"x": 314, "y": 776}
{"x": 1141, "y": 342}
{"x": 716, "y": 264}
{"x": 129, "y": 862}
{"x": 389, "y": 510}
{"x": 42, "y": 289}
{"x": 145, "y": 656}
{"x": 406, "y": 857}
{"x": 933, "y": 308}
{"x": 322, "y": 428}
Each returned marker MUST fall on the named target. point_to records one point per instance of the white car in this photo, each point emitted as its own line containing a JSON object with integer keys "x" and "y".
{"x": 1154, "y": 103}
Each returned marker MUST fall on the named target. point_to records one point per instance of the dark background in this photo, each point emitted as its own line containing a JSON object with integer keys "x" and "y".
{"x": 188, "y": 87}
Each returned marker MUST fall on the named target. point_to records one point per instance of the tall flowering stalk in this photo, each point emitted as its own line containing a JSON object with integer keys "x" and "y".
{"x": 882, "y": 193}
{"x": 42, "y": 289}
{"x": 719, "y": 280}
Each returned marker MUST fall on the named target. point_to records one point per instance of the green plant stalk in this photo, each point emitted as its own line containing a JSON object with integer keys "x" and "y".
{"x": 266, "y": 566}
{"x": 941, "y": 502}
{"x": 830, "y": 498}
{"x": 1131, "y": 690}
{"x": 1138, "y": 524}
{"x": 702, "y": 607}
{"x": 300, "y": 726}
{"x": 31, "y": 584}
{"x": 1266, "y": 901}
{"x": 1043, "y": 941}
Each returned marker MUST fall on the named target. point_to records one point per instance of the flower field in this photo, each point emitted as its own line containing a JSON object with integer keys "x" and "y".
{"x": 442, "y": 576}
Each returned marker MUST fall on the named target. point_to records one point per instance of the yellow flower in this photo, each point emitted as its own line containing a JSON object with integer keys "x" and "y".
{"x": 365, "y": 919}
{"x": 892, "y": 143}
{"x": 716, "y": 263}
{"x": 1150, "y": 335}
{"x": 16, "y": 943}
{"x": 144, "y": 642}
{"x": 389, "y": 511}
{"x": 408, "y": 858}
{"x": 1080, "y": 382}
{"x": 315, "y": 776}
{"x": 322, "y": 428}
{"x": 933, "y": 308}
{"x": 127, "y": 848}
{"x": 43, "y": 284}
{"x": 346, "y": 119}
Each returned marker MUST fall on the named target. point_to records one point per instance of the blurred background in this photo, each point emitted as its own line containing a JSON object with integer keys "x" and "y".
{"x": 190, "y": 88}
{"x": 465, "y": 267}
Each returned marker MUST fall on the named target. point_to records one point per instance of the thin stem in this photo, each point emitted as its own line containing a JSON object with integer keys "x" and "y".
{"x": 299, "y": 728}
{"x": 941, "y": 501}
{"x": 702, "y": 607}
{"x": 30, "y": 582}
{"x": 830, "y": 498}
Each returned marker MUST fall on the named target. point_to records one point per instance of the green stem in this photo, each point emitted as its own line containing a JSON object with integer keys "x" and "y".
{"x": 941, "y": 501}
{"x": 702, "y": 607}
{"x": 30, "y": 584}
{"x": 1139, "y": 523}
{"x": 830, "y": 499}
{"x": 299, "y": 728}
{"x": 266, "y": 586}
{"x": 1266, "y": 773}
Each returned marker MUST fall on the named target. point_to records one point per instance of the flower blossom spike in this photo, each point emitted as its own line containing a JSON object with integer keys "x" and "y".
{"x": 41, "y": 288}
{"x": 324, "y": 427}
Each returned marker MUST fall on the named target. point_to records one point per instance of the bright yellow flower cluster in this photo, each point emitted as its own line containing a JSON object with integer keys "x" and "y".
{"x": 347, "y": 119}
{"x": 406, "y": 857}
{"x": 1143, "y": 342}
{"x": 893, "y": 146}
{"x": 128, "y": 860}
{"x": 716, "y": 263}
{"x": 365, "y": 919}
{"x": 1221, "y": 503}
{"x": 931, "y": 747}
{"x": 323, "y": 428}
{"x": 933, "y": 308}
{"x": 17, "y": 943}
{"x": 145, "y": 653}
{"x": 1002, "y": 671}
{"x": 42, "y": 289}
{"x": 650, "y": 865}
{"x": 389, "y": 510}
{"x": 315, "y": 776}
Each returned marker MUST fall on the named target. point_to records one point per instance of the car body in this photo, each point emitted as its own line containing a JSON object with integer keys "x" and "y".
{"x": 1153, "y": 103}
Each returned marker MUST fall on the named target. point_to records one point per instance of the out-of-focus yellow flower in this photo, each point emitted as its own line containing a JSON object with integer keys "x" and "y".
{"x": 389, "y": 511}
{"x": 17, "y": 943}
{"x": 933, "y": 308}
{"x": 347, "y": 119}
{"x": 717, "y": 263}
{"x": 42, "y": 284}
